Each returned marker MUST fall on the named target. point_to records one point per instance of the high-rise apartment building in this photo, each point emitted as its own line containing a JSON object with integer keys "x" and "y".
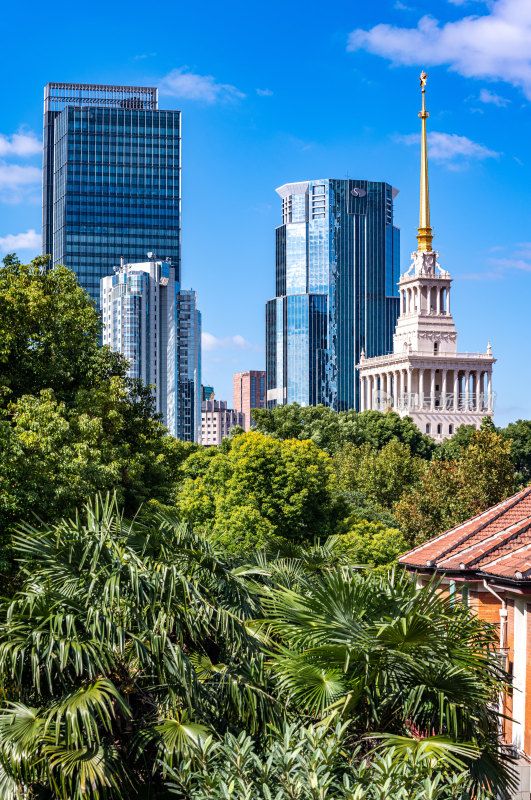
{"x": 111, "y": 178}
{"x": 217, "y": 421}
{"x": 156, "y": 326}
{"x": 249, "y": 392}
{"x": 337, "y": 267}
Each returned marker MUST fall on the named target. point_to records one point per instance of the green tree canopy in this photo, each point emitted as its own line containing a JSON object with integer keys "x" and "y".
{"x": 451, "y": 492}
{"x": 454, "y": 447}
{"x": 71, "y": 422}
{"x": 331, "y": 430}
{"x": 382, "y": 475}
{"x": 371, "y": 544}
{"x": 49, "y": 333}
{"x": 261, "y": 487}
{"x": 54, "y": 456}
{"x": 519, "y": 435}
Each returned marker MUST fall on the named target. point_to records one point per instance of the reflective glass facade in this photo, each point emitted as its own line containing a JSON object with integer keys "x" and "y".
{"x": 111, "y": 179}
{"x": 337, "y": 268}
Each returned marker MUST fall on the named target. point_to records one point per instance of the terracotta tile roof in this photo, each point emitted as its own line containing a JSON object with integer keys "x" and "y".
{"x": 496, "y": 542}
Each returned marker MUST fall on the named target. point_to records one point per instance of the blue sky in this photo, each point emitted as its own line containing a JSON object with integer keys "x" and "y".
{"x": 276, "y": 92}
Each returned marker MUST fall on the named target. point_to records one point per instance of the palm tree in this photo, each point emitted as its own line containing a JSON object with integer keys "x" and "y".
{"x": 125, "y": 641}
{"x": 391, "y": 660}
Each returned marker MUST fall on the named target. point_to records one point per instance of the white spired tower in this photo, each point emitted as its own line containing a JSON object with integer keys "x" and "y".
{"x": 425, "y": 377}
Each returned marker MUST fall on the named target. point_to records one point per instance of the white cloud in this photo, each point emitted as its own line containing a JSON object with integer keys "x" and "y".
{"x": 450, "y": 147}
{"x": 264, "y": 92}
{"x": 14, "y": 176}
{"x": 494, "y": 46}
{"x": 189, "y": 85}
{"x": 20, "y": 144}
{"x": 210, "y": 342}
{"x": 517, "y": 260}
{"x": 31, "y": 240}
{"x": 491, "y": 97}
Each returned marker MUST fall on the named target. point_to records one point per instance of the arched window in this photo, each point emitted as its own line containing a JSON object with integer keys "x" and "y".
{"x": 439, "y": 429}
{"x": 435, "y": 348}
{"x": 450, "y": 429}
{"x": 427, "y": 427}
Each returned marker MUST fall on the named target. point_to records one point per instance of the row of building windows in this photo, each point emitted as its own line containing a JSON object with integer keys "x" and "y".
{"x": 440, "y": 429}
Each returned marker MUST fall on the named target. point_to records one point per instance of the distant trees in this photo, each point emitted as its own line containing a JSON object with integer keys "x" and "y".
{"x": 331, "y": 430}
{"x": 450, "y": 492}
{"x": 382, "y": 475}
{"x": 519, "y": 435}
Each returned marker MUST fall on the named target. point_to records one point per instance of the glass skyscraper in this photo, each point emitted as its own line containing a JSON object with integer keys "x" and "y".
{"x": 337, "y": 268}
{"x": 111, "y": 179}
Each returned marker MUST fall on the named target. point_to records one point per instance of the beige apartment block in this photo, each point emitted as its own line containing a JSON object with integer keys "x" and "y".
{"x": 217, "y": 421}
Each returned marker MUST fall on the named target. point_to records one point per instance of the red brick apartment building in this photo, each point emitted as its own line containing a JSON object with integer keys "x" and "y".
{"x": 487, "y": 560}
{"x": 248, "y": 393}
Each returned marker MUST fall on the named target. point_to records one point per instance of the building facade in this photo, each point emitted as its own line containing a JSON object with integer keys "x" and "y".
{"x": 486, "y": 563}
{"x": 337, "y": 265}
{"x": 217, "y": 421}
{"x": 111, "y": 178}
{"x": 156, "y": 326}
{"x": 425, "y": 377}
{"x": 249, "y": 392}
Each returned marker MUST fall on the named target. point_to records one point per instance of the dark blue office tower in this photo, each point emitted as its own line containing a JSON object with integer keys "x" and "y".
{"x": 111, "y": 179}
{"x": 337, "y": 268}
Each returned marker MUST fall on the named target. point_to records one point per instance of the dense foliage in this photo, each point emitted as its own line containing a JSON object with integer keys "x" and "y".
{"x": 452, "y": 491}
{"x": 313, "y": 764}
{"x": 331, "y": 430}
{"x": 260, "y": 488}
{"x": 137, "y": 661}
{"x": 123, "y": 640}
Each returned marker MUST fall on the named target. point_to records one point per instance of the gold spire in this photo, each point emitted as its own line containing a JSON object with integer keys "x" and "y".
{"x": 424, "y": 236}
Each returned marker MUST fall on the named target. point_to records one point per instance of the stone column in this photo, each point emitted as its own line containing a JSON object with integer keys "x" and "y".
{"x": 443, "y": 386}
{"x": 478, "y": 389}
{"x": 421, "y": 388}
{"x": 489, "y": 390}
{"x": 397, "y": 390}
{"x": 432, "y": 387}
{"x": 438, "y": 300}
{"x": 456, "y": 389}
{"x": 362, "y": 394}
{"x": 448, "y": 300}
{"x": 467, "y": 388}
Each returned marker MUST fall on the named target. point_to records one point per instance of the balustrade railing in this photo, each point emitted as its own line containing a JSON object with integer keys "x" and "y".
{"x": 473, "y": 402}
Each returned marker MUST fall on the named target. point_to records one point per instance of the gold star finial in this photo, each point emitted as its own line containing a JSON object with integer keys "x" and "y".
{"x": 423, "y": 79}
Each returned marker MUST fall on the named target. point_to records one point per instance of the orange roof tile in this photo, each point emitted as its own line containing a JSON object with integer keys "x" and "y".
{"x": 497, "y": 542}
